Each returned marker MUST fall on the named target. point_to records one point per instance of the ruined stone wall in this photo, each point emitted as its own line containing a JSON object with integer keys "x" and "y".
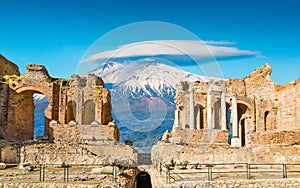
{"x": 7, "y": 67}
{"x": 20, "y": 107}
{"x": 222, "y": 153}
{"x": 3, "y": 108}
{"x": 80, "y": 133}
{"x": 10, "y": 153}
{"x": 76, "y": 153}
{"x": 287, "y": 106}
{"x": 20, "y": 122}
{"x": 84, "y": 100}
{"x": 267, "y": 122}
{"x": 242, "y": 183}
{"x": 80, "y": 99}
{"x": 78, "y": 119}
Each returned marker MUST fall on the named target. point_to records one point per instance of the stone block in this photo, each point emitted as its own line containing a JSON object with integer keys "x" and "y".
{"x": 72, "y": 123}
{"x": 2, "y": 166}
{"x": 176, "y": 140}
{"x": 95, "y": 124}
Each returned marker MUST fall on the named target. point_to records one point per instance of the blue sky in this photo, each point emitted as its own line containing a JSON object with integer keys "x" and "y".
{"x": 58, "y": 33}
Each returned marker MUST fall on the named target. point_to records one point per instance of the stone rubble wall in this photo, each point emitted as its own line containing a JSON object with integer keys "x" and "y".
{"x": 287, "y": 107}
{"x": 3, "y": 108}
{"x": 221, "y": 153}
{"x": 62, "y": 185}
{"x": 10, "y": 153}
{"x": 71, "y": 153}
{"x": 239, "y": 183}
{"x": 80, "y": 133}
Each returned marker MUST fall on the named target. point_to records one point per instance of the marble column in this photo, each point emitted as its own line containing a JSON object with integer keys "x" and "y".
{"x": 235, "y": 141}
{"x": 192, "y": 109}
{"x": 223, "y": 112}
{"x": 209, "y": 110}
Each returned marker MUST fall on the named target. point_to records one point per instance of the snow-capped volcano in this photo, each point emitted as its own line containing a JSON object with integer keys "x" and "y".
{"x": 147, "y": 78}
{"x": 143, "y": 98}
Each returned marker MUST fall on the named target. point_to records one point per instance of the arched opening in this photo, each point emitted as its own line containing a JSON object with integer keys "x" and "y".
{"x": 267, "y": 121}
{"x": 40, "y": 105}
{"x": 143, "y": 180}
{"x": 242, "y": 109}
{"x": 71, "y": 111}
{"x": 89, "y": 112}
{"x": 199, "y": 117}
{"x": 27, "y": 116}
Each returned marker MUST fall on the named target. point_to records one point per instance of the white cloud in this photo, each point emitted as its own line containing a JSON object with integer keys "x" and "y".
{"x": 194, "y": 48}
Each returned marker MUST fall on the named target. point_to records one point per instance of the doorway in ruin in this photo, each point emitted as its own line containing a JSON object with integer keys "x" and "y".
{"x": 27, "y": 116}
{"x": 89, "y": 112}
{"x": 41, "y": 103}
{"x": 242, "y": 109}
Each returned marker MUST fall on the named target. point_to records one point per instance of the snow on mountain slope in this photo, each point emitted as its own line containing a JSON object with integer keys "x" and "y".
{"x": 39, "y": 97}
{"x": 148, "y": 78}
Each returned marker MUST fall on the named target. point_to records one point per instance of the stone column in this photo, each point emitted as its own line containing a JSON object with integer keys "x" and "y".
{"x": 192, "y": 109}
{"x": 209, "y": 110}
{"x": 176, "y": 119}
{"x": 235, "y": 141}
{"x": 183, "y": 117}
{"x": 223, "y": 112}
{"x": 198, "y": 119}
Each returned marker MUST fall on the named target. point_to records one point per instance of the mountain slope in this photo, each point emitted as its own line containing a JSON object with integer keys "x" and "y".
{"x": 149, "y": 78}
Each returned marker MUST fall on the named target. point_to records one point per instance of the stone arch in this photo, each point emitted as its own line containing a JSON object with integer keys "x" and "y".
{"x": 89, "y": 112}
{"x": 143, "y": 180}
{"x": 37, "y": 89}
{"x": 21, "y": 89}
{"x": 247, "y": 103}
{"x": 243, "y": 112}
{"x": 21, "y": 115}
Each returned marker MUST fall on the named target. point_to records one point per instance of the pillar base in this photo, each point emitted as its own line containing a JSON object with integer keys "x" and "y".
{"x": 235, "y": 142}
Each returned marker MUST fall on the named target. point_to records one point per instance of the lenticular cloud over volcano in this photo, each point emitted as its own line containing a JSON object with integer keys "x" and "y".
{"x": 194, "y": 48}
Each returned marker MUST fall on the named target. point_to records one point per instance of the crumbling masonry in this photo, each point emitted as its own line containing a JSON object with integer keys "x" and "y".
{"x": 263, "y": 125}
{"x": 79, "y": 111}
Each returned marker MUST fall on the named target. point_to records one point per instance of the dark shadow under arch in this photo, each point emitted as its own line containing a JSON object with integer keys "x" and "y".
{"x": 143, "y": 180}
